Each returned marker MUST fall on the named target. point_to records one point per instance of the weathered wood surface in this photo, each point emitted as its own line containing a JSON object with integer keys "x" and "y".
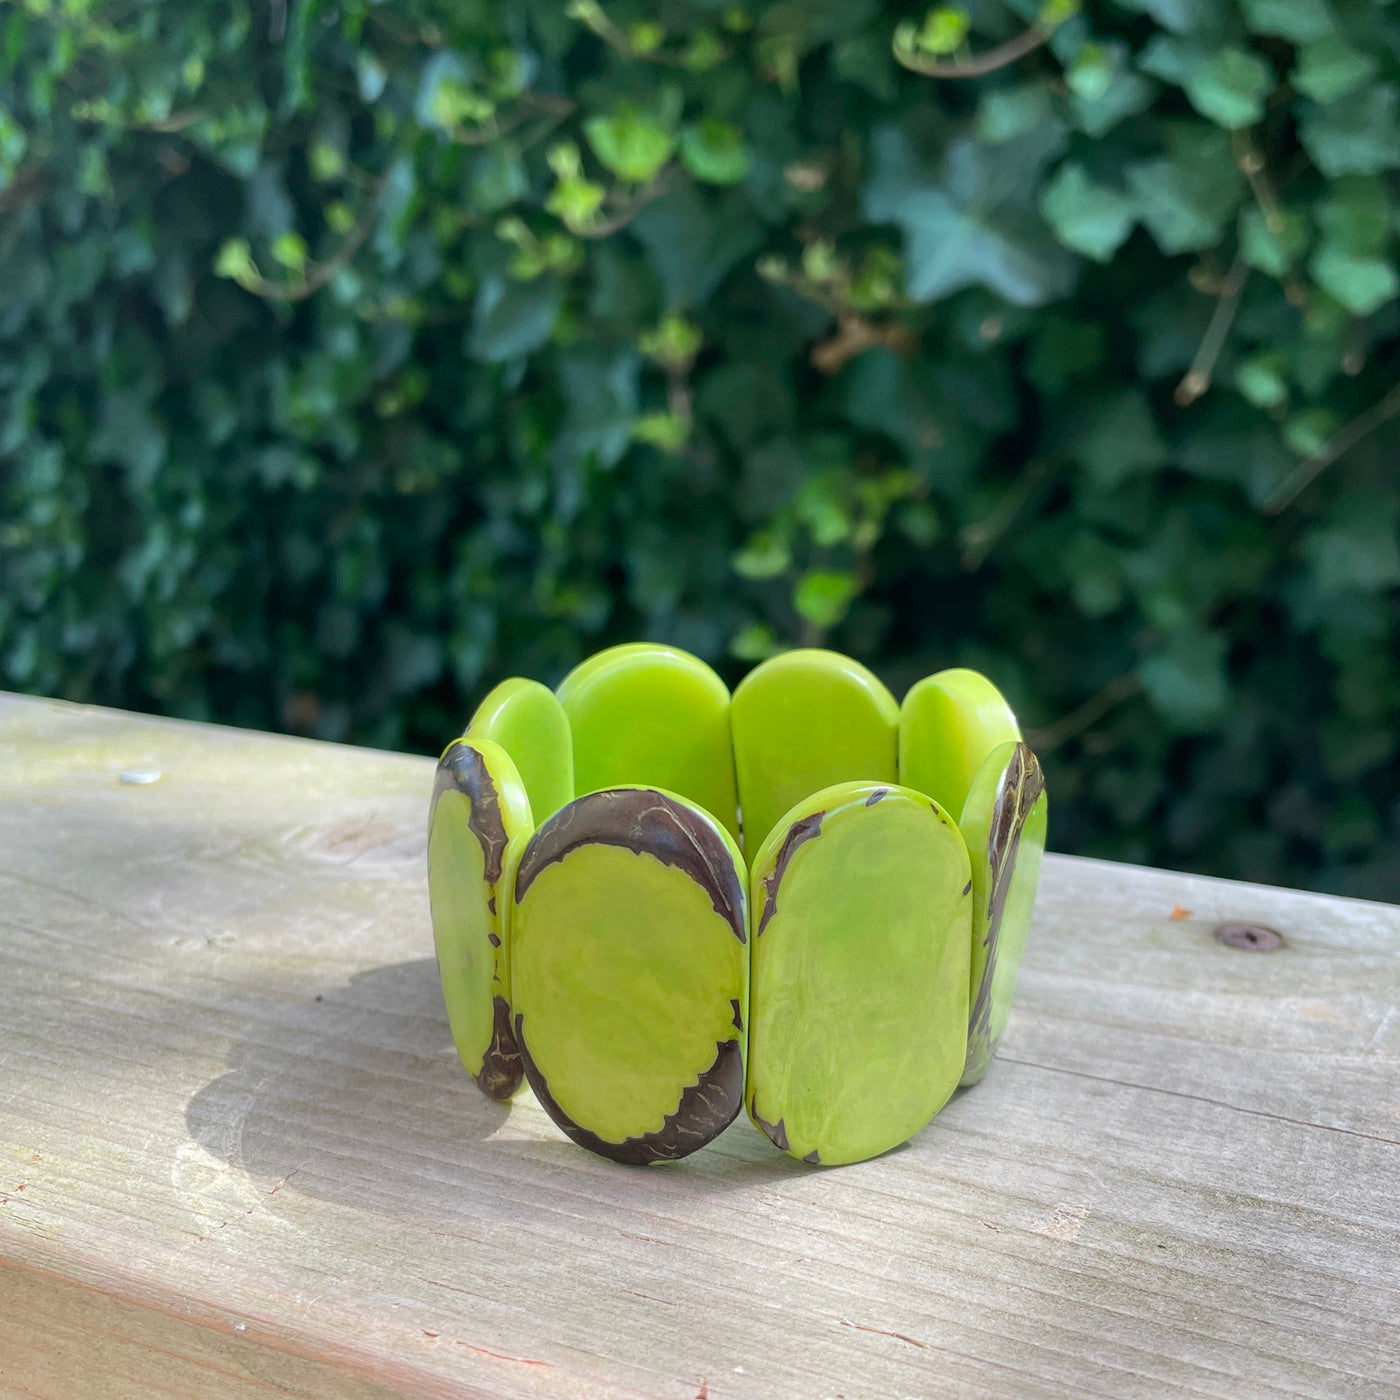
{"x": 238, "y": 1157}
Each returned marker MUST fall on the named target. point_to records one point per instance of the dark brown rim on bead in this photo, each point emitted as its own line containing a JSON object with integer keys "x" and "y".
{"x": 798, "y": 834}
{"x": 705, "y": 1109}
{"x": 1020, "y": 789}
{"x": 463, "y": 769}
{"x": 646, "y": 822}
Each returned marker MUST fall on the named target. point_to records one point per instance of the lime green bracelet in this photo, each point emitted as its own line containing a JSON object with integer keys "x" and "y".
{"x": 615, "y": 949}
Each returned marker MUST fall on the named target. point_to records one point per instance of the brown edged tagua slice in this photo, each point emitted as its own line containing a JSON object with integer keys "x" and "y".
{"x": 862, "y": 915}
{"x": 478, "y": 824}
{"x": 1003, "y": 822}
{"x": 629, "y": 973}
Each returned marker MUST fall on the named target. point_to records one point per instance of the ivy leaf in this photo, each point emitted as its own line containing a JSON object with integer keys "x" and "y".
{"x": 1006, "y": 113}
{"x": 1185, "y": 679}
{"x": 1184, "y": 207}
{"x": 1330, "y": 68}
{"x": 1168, "y": 58}
{"x": 129, "y": 434}
{"x": 1296, "y": 20}
{"x": 1128, "y": 94}
{"x": 1091, "y": 73}
{"x": 446, "y": 99}
{"x": 1180, "y": 16}
{"x": 715, "y": 151}
{"x": 1356, "y": 135}
{"x": 1119, "y": 439}
{"x": 1309, "y": 432}
{"x": 632, "y": 145}
{"x": 235, "y": 261}
{"x": 1357, "y": 550}
{"x": 1088, "y": 217}
{"x": 1356, "y": 215}
{"x": 577, "y": 202}
{"x": 1229, "y": 87}
{"x": 1095, "y": 571}
{"x": 765, "y": 556}
{"x": 695, "y": 242}
{"x": 1226, "y": 84}
{"x": 1260, "y": 380}
{"x": 754, "y": 641}
{"x": 370, "y": 76}
{"x": 513, "y": 318}
{"x": 13, "y": 144}
{"x": 825, "y": 597}
{"x": 1185, "y": 197}
{"x": 963, "y": 231}
{"x": 600, "y": 389}
{"x": 498, "y": 178}
{"x": 1362, "y": 284}
{"x": 1272, "y": 250}
{"x": 1230, "y": 445}
{"x": 944, "y": 29}
{"x": 668, "y": 431}
{"x": 290, "y": 250}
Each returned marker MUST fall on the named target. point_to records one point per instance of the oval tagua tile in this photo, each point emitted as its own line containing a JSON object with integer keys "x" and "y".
{"x": 861, "y": 904}
{"x": 478, "y": 823}
{"x": 1003, "y": 822}
{"x": 629, "y": 973}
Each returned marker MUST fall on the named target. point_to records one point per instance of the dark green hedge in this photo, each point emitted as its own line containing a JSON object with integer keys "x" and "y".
{"x": 355, "y": 355}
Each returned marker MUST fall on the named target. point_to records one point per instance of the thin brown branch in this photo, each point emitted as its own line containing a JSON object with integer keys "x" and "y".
{"x": 166, "y": 126}
{"x": 1197, "y": 379}
{"x": 552, "y": 110}
{"x": 592, "y": 16}
{"x": 1003, "y": 56}
{"x": 1095, "y": 708}
{"x": 1252, "y": 165}
{"x": 28, "y": 185}
{"x": 299, "y": 291}
{"x": 491, "y": 131}
{"x": 1340, "y": 443}
{"x": 854, "y": 335}
{"x": 177, "y": 121}
{"x": 623, "y": 214}
{"x": 979, "y": 538}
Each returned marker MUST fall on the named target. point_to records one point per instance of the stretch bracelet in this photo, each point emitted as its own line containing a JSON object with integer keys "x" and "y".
{"x": 658, "y": 904}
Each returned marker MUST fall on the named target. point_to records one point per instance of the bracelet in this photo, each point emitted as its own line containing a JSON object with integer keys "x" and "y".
{"x": 658, "y": 904}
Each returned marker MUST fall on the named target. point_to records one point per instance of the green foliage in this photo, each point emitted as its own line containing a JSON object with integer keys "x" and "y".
{"x": 353, "y": 356}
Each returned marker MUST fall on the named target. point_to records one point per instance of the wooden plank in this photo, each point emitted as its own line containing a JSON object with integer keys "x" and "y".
{"x": 236, "y": 1149}
{"x": 57, "y": 1339}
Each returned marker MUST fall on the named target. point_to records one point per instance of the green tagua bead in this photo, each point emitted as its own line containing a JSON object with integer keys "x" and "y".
{"x": 528, "y": 722}
{"x": 648, "y": 984}
{"x": 477, "y": 825}
{"x": 1004, "y": 821}
{"x": 862, "y": 897}
{"x": 630, "y": 973}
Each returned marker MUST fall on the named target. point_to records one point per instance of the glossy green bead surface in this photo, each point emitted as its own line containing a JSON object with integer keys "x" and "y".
{"x": 526, "y": 719}
{"x": 630, "y": 973}
{"x": 803, "y": 721}
{"x": 862, "y": 909}
{"x": 643, "y": 713}
{"x": 948, "y": 724}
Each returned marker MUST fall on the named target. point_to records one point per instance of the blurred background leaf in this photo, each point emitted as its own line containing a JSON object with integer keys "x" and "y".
{"x": 354, "y": 356}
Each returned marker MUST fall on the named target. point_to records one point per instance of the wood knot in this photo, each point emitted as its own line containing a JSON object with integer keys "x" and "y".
{"x": 1252, "y": 938}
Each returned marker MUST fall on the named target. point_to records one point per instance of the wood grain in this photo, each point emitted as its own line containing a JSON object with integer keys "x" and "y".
{"x": 238, "y": 1156}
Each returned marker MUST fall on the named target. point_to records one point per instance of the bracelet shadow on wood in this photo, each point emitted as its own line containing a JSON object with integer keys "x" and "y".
{"x": 356, "y": 1096}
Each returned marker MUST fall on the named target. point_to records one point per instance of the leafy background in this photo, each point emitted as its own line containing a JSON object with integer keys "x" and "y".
{"x": 354, "y": 355}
